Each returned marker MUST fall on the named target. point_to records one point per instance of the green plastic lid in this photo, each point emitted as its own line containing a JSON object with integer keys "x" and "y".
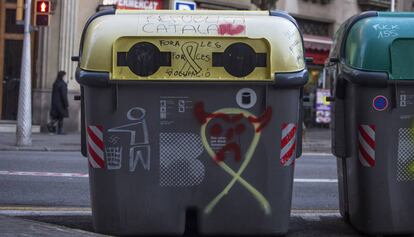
{"x": 382, "y": 43}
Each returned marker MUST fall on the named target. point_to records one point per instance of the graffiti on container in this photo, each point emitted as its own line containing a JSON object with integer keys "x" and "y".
{"x": 191, "y": 55}
{"x": 137, "y": 129}
{"x": 113, "y": 139}
{"x": 193, "y": 24}
{"x": 386, "y": 31}
{"x": 113, "y": 157}
{"x": 231, "y": 29}
{"x": 190, "y": 50}
{"x": 233, "y": 116}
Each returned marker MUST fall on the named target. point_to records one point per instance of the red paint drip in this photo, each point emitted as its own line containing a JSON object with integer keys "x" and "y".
{"x": 240, "y": 128}
{"x": 216, "y": 130}
{"x": 229, "y": 134}
{"x": 199, "y": 113}
{"x": 235, "y": 148}
{"x": 263, "y": 120}
{"x": 202, "y": 115}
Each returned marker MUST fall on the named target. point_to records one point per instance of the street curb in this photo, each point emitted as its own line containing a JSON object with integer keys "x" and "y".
{"x": 15, "y": 148}
{"x": 27, "y": 226}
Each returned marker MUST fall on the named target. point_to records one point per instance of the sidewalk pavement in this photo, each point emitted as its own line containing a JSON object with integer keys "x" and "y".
{"x": 12, "y": 227}
{"x": 317, "y": 140}
{"x": 314, "y": 140}
{"x": 42, "y": 142}
{"x": 302, "y": 224}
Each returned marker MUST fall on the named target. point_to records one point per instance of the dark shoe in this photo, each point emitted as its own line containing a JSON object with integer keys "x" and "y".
{"x": 51, "y": 127}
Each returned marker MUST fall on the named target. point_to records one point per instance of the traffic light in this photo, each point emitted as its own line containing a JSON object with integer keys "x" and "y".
{"x": 42, "y": 12}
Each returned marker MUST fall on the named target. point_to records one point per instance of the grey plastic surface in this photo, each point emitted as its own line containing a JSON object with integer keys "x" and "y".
{"x": 378, "y": 198}
{"x": 157, "y": 166}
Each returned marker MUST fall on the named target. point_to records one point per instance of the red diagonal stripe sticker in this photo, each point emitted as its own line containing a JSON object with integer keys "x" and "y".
{"x": 366, "y": 156}
{"x": 96, "y": 157}
{"x": 288, "y": 137}
{"x": 366, "y": 137}
{"x": 100, "y": 127}
{"x": 288, "y": 154}
{"x": 95, "y": 139}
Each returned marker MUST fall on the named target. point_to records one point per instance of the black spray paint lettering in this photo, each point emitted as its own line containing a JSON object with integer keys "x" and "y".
{"x": 202, "y": 44}
{"x": 194, "y": 19}
{"x": 180, "y": 29}
{"x": 198, "y": 56}
{"x": 188, "y": 24}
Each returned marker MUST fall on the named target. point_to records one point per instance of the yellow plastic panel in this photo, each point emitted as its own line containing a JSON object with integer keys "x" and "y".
{"x": 285, "y": 49}
{"x": 191, "y": 58}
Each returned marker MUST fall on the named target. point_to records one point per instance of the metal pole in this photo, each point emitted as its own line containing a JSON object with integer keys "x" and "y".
{"x": 24, "y": 113}
{"x": 392, "y": 5}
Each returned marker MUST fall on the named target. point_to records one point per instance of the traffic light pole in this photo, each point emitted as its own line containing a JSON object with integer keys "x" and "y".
{"x": 24, "y": 113}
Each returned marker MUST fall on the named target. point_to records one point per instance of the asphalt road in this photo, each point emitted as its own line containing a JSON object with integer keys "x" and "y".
{"x": 53, "y": 187}
{"x": 31, "y": 190}
{"x": 23, "y": 183}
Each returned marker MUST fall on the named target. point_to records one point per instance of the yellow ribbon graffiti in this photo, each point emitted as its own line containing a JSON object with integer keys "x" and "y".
{"x": 236, "y": 176}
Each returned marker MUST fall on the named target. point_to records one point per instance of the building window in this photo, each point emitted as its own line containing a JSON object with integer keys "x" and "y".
{"x": 311, "y": 27}
{"x": 378, "y": 5}
{"x": 11, "y": 26}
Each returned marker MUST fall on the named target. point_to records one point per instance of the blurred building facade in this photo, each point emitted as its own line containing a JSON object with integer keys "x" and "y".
{"x": 318, "y": 21}
{"x": 53, "y": 46}
{"x": 58, "y": 42}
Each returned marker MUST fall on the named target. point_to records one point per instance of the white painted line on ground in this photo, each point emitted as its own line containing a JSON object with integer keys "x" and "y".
{"x": 81, "y": 175}
{"x": 85, "y": 211}
{"x": 315, "y": 180}
{"x": 44, "y": 213}
{"x": 315, "y": 215}
{"x": 316, "y": 154}
{"x": 44, "y": 174}
{"x": 310, "y": 216}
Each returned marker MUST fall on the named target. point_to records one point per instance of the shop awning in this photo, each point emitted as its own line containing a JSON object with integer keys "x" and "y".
{"x": 317, "y": 42}
{"x": 317, "y": 48}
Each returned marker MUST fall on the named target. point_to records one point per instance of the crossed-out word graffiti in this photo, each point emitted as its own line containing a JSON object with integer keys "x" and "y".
{"x": 193, "y": 24}
{"x": 233, "y": 116}
{"x": 139, "y": 148}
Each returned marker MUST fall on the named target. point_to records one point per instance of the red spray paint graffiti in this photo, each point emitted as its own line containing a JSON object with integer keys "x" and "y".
{"x": 231, "y": 133}
{"x": 231, "y": 29}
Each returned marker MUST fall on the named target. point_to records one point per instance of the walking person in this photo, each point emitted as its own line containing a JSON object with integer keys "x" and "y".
{"x": 59, "y": 107}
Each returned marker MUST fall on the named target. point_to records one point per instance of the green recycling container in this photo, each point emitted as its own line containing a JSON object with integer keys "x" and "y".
{"x": 373, "y": 115}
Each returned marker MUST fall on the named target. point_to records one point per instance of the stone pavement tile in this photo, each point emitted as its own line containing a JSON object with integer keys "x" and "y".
{"x": 319, "y": 224}
{"x": 317, "y": 140}
{"x": 15, "y": 227}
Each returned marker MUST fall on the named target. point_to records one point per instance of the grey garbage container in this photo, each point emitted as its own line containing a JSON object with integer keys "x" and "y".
{"x": 191, "y": 111}
{"x": 373, "y": 129}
